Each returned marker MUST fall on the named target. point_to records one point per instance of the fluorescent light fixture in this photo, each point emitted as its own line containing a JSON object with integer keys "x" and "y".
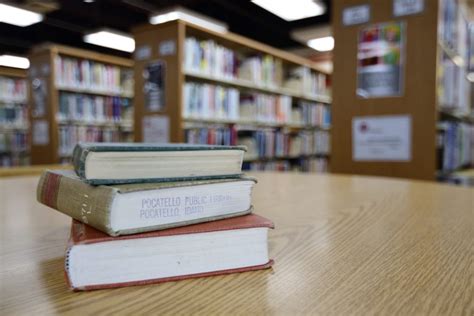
{"x": 322, "y": 44}
{"x": 470, "y": 76}
{"x": 291, "y": 10}
{"x": 19, "y": 17}
{"x": 190, "y": 17}
{"x": 111, "y": 39}
{"x": 14, "y": 61}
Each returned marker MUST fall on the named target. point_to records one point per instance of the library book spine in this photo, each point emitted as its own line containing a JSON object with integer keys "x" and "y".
{"x": 85, "y": 203}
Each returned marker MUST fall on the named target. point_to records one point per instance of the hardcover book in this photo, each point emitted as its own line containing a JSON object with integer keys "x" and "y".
{"x": 123, "y": 209}
{"x": 95, "y": 260}
{"x": 108, "y": 163}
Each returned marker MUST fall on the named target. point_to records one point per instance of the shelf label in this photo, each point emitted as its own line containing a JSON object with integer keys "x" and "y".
{"x": 143, "y": 52}
{"x": 156, "y": 129}
{"x": 167, "y": 48}
{"x": 407, "y": 7}
{"x": 356, "y": 15}
{"x": 381, "y": 138}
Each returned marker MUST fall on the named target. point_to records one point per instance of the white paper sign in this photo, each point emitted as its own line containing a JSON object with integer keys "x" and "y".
{"x": 381, "y": 138}
{"x": 156, "y": 129}
{"x": 40, "y": 133}
{"x": 407, "y": 7}
{"x": 143, "y": 52}
{"x": 356, "y": 14}
{"x": 167, "y": 48}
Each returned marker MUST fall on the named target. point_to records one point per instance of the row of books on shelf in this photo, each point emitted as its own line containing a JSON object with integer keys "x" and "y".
{"x": 263, "y": 144}
{"x": 470, "y": 48}
{"x": 210, "y": 101}
{"x": 14, "y": 117}
{"x": 13, "y": 142}
{"x": 212, "y": 59}
{"x": 70, "y": 135}
{"x": 317, "y": 165}
{"x": 265, "y": 108}
{"x": 212, "y": 136}
{"x": 93, "y": 109}
{"x": 264, "y": 70}
{"x": 454, "y": 87}
{"x": 303, "y": 80}
{"x": 448, "y": 24}
{"x": 90, "y": 75}
{"x": 206, "y": 101}
{"x": 13, "y": 90}
{"x": 14, "y": 160}
{"x": 312, "y": 114}
{"x": 455, "y": 146}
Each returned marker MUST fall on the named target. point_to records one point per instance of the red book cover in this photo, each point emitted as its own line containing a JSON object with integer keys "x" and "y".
{"x": 83, "y": 234}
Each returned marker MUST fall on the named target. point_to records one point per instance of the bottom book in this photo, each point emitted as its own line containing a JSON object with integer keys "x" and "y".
{"x": 94, "y": 260}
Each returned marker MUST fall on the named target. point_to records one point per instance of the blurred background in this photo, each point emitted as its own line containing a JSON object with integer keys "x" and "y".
{"x": 356, "y": 87}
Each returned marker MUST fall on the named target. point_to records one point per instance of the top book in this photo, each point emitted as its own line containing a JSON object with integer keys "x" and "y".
{"x": 113, "y": 163}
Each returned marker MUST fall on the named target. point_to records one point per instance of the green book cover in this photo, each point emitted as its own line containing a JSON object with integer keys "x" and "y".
{"x": 82, "y": 150}
{"x": 65, "y": 192}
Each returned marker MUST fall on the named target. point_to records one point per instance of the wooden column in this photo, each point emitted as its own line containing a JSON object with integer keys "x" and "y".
{"x": 418, "y": 99}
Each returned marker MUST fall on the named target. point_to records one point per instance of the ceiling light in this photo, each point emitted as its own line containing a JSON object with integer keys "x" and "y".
{"x": 291, "y": 10}
{"x": 14, "y": 61}
{"x": 111, "y": 39}
{"x": 322, "y": 44}
{"x": 17, "y": 16}
{"x": 470, "y": 76}
{"x": 190, "y": 17}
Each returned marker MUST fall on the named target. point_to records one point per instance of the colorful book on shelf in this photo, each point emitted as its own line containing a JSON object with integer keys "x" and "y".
{"x": 108, "y": 163}
{"x": 95, "y": 260}
{"x": 140, "y": 207}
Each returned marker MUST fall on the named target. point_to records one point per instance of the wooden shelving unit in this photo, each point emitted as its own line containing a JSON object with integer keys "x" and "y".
{"x": 424, "y": 98}
{"x": 77, "y": 95}
{"x": 167, "y": 44}
{"x": 14, "y": 124}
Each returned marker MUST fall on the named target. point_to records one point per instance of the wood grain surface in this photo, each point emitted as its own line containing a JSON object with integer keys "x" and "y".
{"x": 343, "y": 245}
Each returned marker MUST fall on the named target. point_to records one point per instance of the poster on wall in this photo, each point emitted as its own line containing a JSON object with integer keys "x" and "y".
{"x": 156, "y": 129}
{"x": 154, "y": 86}
{"x": 380, "y": 60}
{"x": 39, "y": 97}
{"x": 381, "y": 138}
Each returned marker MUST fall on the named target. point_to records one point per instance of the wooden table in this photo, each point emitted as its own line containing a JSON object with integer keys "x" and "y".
{"x": 342, "y": 245}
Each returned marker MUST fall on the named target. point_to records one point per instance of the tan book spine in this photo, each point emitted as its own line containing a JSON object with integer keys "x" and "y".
{"x": 88, "y": 204}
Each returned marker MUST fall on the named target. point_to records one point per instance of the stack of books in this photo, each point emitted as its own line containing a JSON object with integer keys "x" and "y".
{"x": 145, "y": 213}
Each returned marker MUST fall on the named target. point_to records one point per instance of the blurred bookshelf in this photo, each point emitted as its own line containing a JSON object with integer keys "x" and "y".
{"x": 225, "y": 89}
{"x": 77, "y": 95}
{"x": 455, "y": 127}
{"x": 14, "y": 123}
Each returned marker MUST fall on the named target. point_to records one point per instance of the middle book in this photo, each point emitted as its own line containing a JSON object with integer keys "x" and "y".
{"x": 141, "y": 207}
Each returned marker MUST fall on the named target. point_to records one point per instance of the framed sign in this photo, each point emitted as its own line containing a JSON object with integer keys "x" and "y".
{"x": 380, "y": 60}
{"x": 381, "y": 138}
{"x": 154, "y": 86}
{"x": 407, "y": 7}
{"x": 356, "y": 15}
{"x": 156, "y": 129}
